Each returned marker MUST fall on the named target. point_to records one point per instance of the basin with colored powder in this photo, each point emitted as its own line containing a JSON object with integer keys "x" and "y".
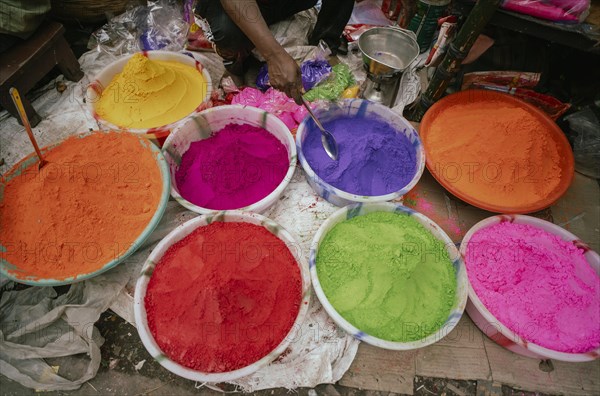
{"x": 156, "y": 104}
{"x": 372, "y": 264}
{"x": 380, "y": 154}
{"x": 534, "y": 288}
{"x": 237, "y": 172}
{"x": 235, "y": 292}
{"x": 101, "y": 191}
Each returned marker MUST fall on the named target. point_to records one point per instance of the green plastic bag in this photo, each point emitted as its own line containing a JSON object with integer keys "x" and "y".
{"x": 332, "y": 87}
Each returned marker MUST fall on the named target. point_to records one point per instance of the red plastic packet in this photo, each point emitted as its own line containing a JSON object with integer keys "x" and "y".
{"x": 197, "y": 40}
{"x": 352, "y": 32}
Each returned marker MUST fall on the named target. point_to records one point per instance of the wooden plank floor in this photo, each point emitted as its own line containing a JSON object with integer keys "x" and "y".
{"x": 467, "y": 354}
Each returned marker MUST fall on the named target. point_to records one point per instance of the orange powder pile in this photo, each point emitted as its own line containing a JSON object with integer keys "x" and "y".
{"x": 493, "y": 152}
{"x": 82, "y": 209}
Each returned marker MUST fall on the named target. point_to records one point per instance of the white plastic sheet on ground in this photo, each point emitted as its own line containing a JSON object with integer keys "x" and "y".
{"x": 320, "y": 355}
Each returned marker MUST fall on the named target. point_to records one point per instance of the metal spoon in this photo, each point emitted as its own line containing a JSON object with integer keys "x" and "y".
{"x": 327, "y": 139}
{"x": 16, "y": 98}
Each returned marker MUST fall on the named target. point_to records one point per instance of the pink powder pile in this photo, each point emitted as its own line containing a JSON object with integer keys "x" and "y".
{"x": 536, "y": 284}
{"x": 236, "y": 167}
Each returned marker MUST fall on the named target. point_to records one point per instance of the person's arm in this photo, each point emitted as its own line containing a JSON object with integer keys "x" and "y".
{"x": 284, "y": 73}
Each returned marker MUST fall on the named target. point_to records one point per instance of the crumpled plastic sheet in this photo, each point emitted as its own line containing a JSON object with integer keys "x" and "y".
{"x": 35, "y": 324}
{"x": 63, "y": 114}
{"x": 585, "y": 136}
{"x": 159, "y": 25}
{"x": 292, "y": 34}
{"x": 409, "y": 88}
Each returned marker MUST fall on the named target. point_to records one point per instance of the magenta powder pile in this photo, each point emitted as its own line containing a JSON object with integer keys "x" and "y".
{"x": 236, "y": 167}
{"x": 536, "y": 284}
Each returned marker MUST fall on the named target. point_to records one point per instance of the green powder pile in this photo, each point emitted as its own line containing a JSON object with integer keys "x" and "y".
{"x": 387, "y": 275}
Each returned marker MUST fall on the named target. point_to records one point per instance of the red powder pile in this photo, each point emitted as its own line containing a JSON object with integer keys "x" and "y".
{"x": 82, "y": 210}
{"x": 223, "y": 297}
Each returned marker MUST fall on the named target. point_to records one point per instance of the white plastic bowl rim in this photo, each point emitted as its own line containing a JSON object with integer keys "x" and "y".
{"x": 106, "y": 75}
{"x": 202, "y": 125}
{"x": 493, "y": 323}
{"x": 359, "y": 209}
{"x": 178, "y": 234}
{"x": 351, "y": 107}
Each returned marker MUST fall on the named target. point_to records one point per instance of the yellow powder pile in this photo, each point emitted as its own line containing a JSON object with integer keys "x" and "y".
{"x": 494, "y": 152}
{"x": 151, "y": 93}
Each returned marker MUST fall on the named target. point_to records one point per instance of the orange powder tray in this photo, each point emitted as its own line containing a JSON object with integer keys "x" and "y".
{"x": 552, "y": 130}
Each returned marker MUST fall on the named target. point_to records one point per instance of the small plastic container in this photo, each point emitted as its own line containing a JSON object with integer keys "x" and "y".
{"x": 358, "y": 107}
{"x": 105, "y": 76}
{"x": 178, "y": 234}
{"x": 497, "y": 331}
{"x": 200, "y": 127}
{"x": 460, "y": 301}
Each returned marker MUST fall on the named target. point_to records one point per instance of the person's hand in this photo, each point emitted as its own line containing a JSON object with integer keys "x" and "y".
{"x": 285, "y": 75}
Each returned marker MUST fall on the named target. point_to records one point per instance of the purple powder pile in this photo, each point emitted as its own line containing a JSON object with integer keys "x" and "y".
{"x": 374, "y": 157}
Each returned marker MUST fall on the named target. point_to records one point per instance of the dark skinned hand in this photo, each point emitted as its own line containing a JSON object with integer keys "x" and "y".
{"x": 285, "y": 75}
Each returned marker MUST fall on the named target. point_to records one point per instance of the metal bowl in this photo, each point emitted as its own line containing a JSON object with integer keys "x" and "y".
{"x": 387, "y": 50}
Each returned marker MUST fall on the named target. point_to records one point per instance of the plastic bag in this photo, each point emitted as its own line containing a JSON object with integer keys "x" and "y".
{"x": 517, "y": 84}
{"x": 159, "y": 25}
{"x": 275, "y": 102}
{"x": 313, "y": 72}
{"x": 333, "y": 87}
{"x": 573, "y": 11}
{"x": 585, "y": 137}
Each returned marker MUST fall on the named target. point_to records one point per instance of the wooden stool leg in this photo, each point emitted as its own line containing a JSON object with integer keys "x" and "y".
{"x": 7, "y": 103}
{"x": 67, "y": 63}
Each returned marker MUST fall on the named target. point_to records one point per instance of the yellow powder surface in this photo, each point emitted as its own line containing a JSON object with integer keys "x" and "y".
{"x": 494, "y": 152}
{"x": 151, "y": 93}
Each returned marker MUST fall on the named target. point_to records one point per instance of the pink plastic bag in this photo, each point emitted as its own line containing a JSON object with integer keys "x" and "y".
{"x": 273, "y": 101}
{"x": 573, "y": 11}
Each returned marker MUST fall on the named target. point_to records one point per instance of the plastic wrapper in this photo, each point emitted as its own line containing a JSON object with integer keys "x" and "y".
{"x": 447, "y": 31}
{"x": 332, "y": 88}
{"x": 584, "y": 135}
{"x": 313, "y": 71}
{"x": 37, "y": 324}
{"x": 352, "y": 32}
{"x": 573, "y": 11}
{"x": 518, "y": 84}
{"x": 369, "y": 11}
{"x": 273, "y": 101}
{"x": 159, "y": 25}
{"x": 199, "y": 37}
{"x": 507, "y": 78}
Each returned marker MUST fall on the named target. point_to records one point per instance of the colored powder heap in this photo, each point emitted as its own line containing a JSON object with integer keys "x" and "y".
{"x": 236, "y": 167}
{"x": 387, "y": 275}
{"x": 83, "y": 209}
{"x": 151, "y": 93}
{"x": 536, "y": 284}
{"x": 497, "y": 153}
{"x": 374, "y": 158}
{"x": 223, "y": 297}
